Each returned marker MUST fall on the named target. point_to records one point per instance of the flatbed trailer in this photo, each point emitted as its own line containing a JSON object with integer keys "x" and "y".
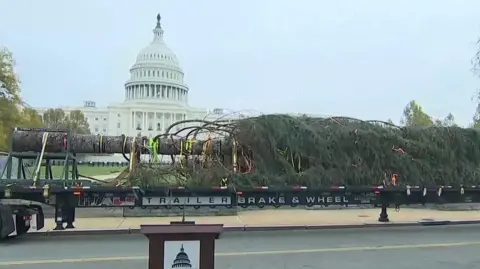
{"x": 65, "y": 199}
{"x": 20, "y": 197}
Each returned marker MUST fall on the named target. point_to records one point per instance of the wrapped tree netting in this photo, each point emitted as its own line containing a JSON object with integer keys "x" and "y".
{"x": 281, "y": 150}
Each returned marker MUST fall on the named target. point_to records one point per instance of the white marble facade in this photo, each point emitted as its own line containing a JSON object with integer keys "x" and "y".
{"x": 154, "y": 121}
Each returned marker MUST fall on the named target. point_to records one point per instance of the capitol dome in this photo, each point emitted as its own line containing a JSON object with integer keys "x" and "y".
{"x": 182, "y": 260}
{"x": 156, "y": 75}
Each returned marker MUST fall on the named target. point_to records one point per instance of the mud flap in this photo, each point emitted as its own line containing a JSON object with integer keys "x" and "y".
{"x": 7, "y": 225}
{"x": 39, "y": 217}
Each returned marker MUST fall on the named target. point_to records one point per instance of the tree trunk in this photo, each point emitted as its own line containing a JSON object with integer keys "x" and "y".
{"x": 25, "y": 141}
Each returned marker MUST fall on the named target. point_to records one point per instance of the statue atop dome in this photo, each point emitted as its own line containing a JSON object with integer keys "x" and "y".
{"x": 159, "y": 18}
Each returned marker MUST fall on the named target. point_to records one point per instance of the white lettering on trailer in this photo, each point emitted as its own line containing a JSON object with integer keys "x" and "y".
{"x": 188, "y": 201}
{"x": 327, "y": 200}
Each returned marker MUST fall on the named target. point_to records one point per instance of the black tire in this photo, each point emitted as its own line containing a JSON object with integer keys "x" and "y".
{"x": 6, "y": 222}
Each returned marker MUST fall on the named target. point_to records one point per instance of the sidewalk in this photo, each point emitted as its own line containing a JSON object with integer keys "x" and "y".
{"x": 282, "y": 218}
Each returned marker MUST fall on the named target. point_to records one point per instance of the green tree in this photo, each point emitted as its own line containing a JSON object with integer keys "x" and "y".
{"x": 56, "y": 118}
{"x": 476, "y": 70}
{"x": 9, "y": 93}
{"x": 77, "y": 122}
{"x": 476, "y": 60}
{"x": 449, "y": 120}
{"x": 9, "y": 116}
{"x": 476, "y": 121}
{"x": 12, "y": 111}
{"x": 30, "y": 118}
{"x": 414, "y": 116}
{"x": 9, "y": 83}
{"x": 476, "y": 117}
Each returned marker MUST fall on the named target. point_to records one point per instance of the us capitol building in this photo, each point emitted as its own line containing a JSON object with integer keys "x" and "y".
{"x": 155, "y": 96}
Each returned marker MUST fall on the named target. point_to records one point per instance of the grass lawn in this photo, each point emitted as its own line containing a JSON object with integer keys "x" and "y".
{"x": 82, "y": 169}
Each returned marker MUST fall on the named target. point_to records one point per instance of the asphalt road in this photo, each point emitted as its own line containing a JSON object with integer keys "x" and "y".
{"x": 441, "y": 247}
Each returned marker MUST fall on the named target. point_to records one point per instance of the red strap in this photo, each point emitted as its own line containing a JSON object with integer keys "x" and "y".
{"x": 65, "y": 141}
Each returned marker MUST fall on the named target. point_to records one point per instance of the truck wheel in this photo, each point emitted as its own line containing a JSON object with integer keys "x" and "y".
{"x": 6, "y": 222}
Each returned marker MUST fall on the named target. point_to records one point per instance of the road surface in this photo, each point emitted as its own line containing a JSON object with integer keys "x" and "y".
{"x": 441, "y": 247}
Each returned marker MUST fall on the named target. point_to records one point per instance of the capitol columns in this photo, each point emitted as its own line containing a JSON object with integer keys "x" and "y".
{"x": 163, "y": 121}
{"x": 132, "y": 114}
{"x": 145, "y": 121}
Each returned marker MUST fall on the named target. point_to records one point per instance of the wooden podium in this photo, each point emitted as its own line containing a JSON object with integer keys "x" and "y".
{"x": 181, "y": 245}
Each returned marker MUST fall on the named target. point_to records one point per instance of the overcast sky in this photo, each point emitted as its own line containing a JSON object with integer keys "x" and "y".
{"x": 359, "y": 58}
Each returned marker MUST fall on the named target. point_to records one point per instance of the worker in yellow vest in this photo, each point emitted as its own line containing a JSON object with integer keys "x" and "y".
{"x": 153, "y": 146}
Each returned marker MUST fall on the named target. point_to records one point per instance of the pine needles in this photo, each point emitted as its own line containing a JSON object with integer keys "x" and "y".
{"x": 281, "y": 150}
